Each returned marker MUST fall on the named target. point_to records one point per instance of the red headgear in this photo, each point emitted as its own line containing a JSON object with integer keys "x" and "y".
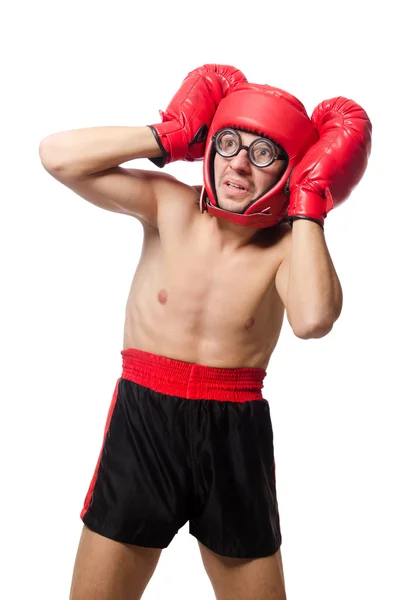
{"x": 270, "y": 112}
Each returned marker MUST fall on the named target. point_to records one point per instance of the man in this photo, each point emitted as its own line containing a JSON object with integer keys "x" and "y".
{"x": 189, "y": 435}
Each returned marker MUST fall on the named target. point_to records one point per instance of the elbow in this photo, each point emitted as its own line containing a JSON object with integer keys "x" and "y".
{"x": 313, "y": 330}
{"x": 49, "y": 154}
{"x": 46, "y": 154}
{"x": 315, "y": 326}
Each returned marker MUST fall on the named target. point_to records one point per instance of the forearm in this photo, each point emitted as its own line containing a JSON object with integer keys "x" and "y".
{"x": 314, "y": 299}
{"x": 86, "y": 151}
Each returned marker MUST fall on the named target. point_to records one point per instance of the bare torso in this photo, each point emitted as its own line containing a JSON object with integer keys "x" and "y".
{"x": 194, "y": 301}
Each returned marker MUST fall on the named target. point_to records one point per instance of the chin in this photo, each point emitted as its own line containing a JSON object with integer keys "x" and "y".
{"x": 238, "y": 210}
{"x": 233, "y": 205}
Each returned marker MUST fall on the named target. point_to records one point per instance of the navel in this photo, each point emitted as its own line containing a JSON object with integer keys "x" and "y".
{"x": 162, "y": 296}
{"x": 249, "y": 323}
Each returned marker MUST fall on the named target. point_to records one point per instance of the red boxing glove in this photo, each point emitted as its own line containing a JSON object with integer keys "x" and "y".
{"x": 187, "y": 119}
{"x": 333, "y": 166}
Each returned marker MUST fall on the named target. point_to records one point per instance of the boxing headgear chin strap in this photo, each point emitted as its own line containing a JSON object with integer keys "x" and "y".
{"x": 268, "y": 111}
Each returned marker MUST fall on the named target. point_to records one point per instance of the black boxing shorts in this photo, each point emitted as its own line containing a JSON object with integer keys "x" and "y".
{"x": 185, "y": 442}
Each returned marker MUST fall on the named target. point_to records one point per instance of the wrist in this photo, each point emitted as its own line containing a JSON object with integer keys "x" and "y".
{"x": 171, "y": 141}
{"x": 305, "y": 204}
{"x": 296, "y": 219}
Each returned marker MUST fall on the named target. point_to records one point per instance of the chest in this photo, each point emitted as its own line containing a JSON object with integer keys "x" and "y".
{"x": 191, "y": 274}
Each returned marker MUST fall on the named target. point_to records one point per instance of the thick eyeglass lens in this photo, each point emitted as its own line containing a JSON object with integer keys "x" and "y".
{"x": 228, "y": 143}
{"x": 262, "y": 153}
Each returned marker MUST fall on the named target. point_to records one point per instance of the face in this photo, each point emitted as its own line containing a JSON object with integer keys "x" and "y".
{"x": 238, "y": 181}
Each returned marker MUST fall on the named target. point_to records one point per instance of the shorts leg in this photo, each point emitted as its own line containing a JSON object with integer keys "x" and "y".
{"x": 235, "y": 477}
{"x": 139, "y": 489}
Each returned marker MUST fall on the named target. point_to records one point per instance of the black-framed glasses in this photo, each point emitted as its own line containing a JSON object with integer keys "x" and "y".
{"x": 261, "y": 153}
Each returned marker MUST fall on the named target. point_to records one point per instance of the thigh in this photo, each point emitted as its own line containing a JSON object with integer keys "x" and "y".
{"x": 109, "y": 570}
{"x": 245, "y": 579}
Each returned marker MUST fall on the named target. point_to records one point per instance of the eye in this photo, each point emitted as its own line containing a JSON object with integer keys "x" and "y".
{"x": 264, "y": 152}
{"x": 228, "y": 143}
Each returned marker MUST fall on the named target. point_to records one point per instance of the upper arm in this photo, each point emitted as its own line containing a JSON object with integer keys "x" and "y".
{"x": 282, "y": 275}
{"x": 129, "y": 191}
{"x": 281, "y": 281}
{"x": 281, "y": 284}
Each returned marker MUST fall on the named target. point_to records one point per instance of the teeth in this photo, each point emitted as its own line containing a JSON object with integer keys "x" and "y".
{"x": 234, "y": 185}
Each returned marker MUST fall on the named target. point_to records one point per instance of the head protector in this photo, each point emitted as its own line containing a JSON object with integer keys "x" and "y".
{"x": 275, "y": 114}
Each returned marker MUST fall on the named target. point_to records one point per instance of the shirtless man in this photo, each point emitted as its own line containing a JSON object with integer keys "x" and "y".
{"x": 189, "y": 435}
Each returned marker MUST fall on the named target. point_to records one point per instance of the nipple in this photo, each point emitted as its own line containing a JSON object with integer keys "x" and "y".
{"x": 162, "y": 296}
{"x": 249, "y": 323}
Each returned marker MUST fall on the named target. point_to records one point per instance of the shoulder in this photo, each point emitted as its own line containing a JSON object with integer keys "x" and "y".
{"x": 177, "y": 203}
{"x": 167, "y": 181}
{"x": 167, "y": 188}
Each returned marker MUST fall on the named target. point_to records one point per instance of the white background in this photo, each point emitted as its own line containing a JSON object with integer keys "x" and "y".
{"x": 67, "y": 265}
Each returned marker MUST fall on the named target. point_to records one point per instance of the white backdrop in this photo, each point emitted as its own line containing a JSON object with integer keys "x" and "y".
{"x": 67, "y": 265}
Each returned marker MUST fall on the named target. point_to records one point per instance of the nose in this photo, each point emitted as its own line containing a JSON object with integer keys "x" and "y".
{"x": 240, "y": 162}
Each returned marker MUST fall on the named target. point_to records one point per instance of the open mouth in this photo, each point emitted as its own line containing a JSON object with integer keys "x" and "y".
{"x": 235, "y": 188}
{"x": 239, "y": 187}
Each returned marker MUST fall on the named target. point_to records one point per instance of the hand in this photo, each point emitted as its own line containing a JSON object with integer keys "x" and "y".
{"x": 333, "y": 166}
{"x": 186, "y": 121}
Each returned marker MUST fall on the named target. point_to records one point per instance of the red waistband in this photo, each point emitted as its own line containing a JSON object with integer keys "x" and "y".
{"x": 191, "y": 381}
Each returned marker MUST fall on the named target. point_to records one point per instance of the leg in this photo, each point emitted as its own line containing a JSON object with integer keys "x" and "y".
{"x": 245, "y": 578}
{"x": 108, "y": 570}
